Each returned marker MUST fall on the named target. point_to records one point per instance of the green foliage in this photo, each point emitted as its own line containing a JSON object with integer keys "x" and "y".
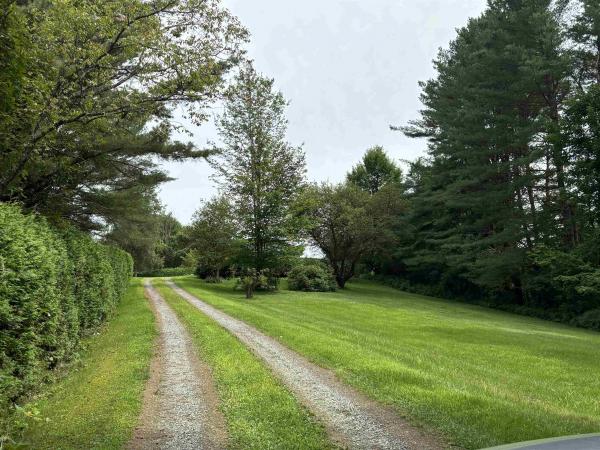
{"x": 386, "y": 210}
{"x": 55, "y": 286}
{"x": 375, "y": 171}
{"x": 504, "y": 209}
{"x": 172, "y": 248}
{"x": 351, "y": 226}
{"x": 168, "y": 272}
{"x": 213, "y": 236}
{"x": 100, "y": 278}
{"x": 86, "y": 94}
{"x": 139, "y": 230}
{"x": 251, "y": 280}
{"x": 337, "y": 222}
{"x": 13, "y": 43}
{"x": 581, "y": 129}
{"x": 484, "y": 122}
{"x": 311, "y": 277}
{"x": 36, "y": 301}
{"x": 589, "y": 319}
{"x": 153, "y": 238}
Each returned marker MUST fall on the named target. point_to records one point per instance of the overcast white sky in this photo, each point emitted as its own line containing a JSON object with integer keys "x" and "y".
{"x": 350, "y": 69}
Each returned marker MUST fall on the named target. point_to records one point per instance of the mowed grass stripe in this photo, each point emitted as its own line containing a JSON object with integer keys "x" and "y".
{"x": 96, "y": 406}
{"x": 481, "y": 376}
{"x": 259, "y": 411}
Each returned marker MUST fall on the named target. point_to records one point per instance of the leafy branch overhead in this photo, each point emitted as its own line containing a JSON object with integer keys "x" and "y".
{"x": 94, "y": 88}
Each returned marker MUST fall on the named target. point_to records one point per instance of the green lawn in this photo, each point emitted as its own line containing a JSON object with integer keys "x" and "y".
{"x": 260, "y": 413}
{"x": 96, "y": 406}
{"x": 482, "y": 377}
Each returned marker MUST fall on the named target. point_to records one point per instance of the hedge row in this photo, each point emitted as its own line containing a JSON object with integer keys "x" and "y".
{"x": 55, "y": 286}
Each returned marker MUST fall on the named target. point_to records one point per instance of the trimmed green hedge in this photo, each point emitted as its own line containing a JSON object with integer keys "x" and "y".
{"x": 55, "y": 286}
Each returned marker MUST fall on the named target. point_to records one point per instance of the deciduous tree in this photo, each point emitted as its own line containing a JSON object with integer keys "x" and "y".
{"x": 93, "y": 112}
{"x": 338, "y": 223}
{"x": 374, "y": 171}
{"x": 259, "y": 171}
{"x": 213, "y": 235}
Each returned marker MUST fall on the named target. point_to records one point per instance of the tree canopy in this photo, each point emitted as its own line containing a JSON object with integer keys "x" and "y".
{"x": 91, "y": 89}
{"x": 505, "y": 202}
{"x": 213, "y": 235}
{"x": 259, "y": 171}
{"x": 375, "y": 171}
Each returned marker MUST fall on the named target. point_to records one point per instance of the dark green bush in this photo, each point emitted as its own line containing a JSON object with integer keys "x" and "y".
{"x": 34, "y": 300}
{"x": 213, "y": 280}
{"x": 311, "y": 277}
{"x": 54, "y": 286}
{"x": 589, "y": 319}
{"x": 204, "y": 273}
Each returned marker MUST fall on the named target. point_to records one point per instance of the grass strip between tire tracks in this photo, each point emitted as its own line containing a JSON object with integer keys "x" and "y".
{"x": 260, "y": 412}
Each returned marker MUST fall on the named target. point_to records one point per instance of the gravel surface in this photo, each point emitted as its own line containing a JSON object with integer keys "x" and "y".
{"x": 180, "y": 409}
{"x": 352, "y": 420}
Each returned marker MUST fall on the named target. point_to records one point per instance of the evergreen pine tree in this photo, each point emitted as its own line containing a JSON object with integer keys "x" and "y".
{"x": 486, "y": 116}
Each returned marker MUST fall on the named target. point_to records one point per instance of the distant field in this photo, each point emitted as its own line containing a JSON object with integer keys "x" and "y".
{"x": 482, "y": 377}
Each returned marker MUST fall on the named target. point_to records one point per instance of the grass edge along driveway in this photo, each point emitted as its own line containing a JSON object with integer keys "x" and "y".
{"x": 482, "y": 377}
{"x": 97, "y": 404}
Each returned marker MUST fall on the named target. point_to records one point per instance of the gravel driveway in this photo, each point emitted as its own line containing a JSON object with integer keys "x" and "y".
{"x": 180, "y": 409}
{"x": 352, "y": 420}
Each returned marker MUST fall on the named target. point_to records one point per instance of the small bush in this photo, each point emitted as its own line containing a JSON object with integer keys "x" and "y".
{"x": 213, "y": 280}
{"x": 251, "y": 281}
{"x": 313, "y": 277}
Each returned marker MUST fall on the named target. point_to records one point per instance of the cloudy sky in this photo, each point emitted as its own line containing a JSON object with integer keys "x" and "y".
{"x": 350, "y": 68}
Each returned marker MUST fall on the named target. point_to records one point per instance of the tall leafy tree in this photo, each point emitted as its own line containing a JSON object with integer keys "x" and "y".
{"x": 93, "y": 113}
{"x": 259, "y": 171}
{"x": 172, "y": 246}
{"x": 337, "y": 221}
{"x": 138, "y": 232}
{"x": 374, "y": 171}
{"x": 213, "y": 236}
{"x": 387, "y": 210}
{"x": 585, "y": 33}
{"x": 12, "y": 63}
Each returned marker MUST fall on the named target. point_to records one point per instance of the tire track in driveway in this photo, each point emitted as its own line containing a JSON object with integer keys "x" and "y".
{"x": 351, "y": 419}
{"x": 180, "y": 408}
